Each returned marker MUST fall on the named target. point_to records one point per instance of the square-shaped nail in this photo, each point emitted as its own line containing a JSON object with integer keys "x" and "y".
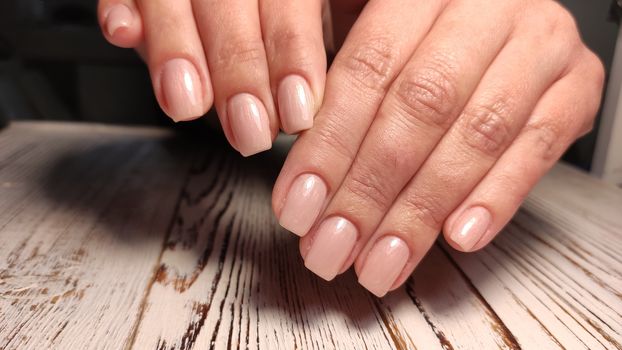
{"x": 383, "y": 265}
{"x": 470, "y": 227}
{"x": 181, "y": 88}
{"x": 332, "y": 245}
{"x": 296, "y": 107}
{"x": 303, "y": 203}
{"x": 249, "y": 124}
{"x": 118, "y": 16}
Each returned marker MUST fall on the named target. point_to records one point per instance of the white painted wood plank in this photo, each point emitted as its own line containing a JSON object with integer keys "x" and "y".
{"x": 83, "y": 219}
{"x": 554, "y": 275}
{"x": 438, "y": 296}
{"x": 82, "y": 222}
{"x": 231, "y": 277}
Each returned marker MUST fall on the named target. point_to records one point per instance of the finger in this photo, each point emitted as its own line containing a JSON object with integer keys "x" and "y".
{"x": 564, "y": 113}
{"x": 374, "y": 53}
{"x": 292, "y": 32}
{"x": 121, "y": 22}
{"x": 176, "y": 60}
{"x": 492, "y": 118}
{"x": 421, "y": 104}
{"x": 231, "y": 34}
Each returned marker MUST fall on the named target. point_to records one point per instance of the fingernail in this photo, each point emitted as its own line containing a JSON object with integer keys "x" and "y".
{"x": 303, "y": 204}
{"x": 181, "y": 87}
{"x": 118, "y": 16}
{"x": 470, "y": 227}
{"x": 249, "y": 123}
{"x": 331, "y": 247}
{"x": 295, "y": 104}
{"x": 384, "y": 264}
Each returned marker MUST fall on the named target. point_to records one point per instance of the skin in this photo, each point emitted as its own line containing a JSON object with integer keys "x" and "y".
{"x": 237, "y": 46}
{"x": 431, "y": 108}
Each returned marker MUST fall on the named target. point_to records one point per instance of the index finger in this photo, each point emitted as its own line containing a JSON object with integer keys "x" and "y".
{"x": 374, "y": 53}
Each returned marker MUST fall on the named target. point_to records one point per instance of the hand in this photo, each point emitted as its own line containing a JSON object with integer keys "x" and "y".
{"x": 254, "y": 60}
{"x": 438, "y": 115}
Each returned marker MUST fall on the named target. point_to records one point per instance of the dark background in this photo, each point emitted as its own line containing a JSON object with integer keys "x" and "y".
{"x": 55, "y": 65}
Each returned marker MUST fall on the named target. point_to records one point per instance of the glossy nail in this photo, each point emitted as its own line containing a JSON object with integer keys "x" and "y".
{"x": 181, "y": 88}
{"x": 249, "y": 123}
{"x": 117, "y": 17}
{"x": 384, "y": 264}
{"x": 470, "y": 227}
{"x": 303, "y": 204}
{"x": 295, "y": 104}
{"x": 331, "y": 247}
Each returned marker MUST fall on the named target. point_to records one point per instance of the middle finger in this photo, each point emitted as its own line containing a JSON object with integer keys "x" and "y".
{"x": 231, "y": 34}
{"x": 420, "y": 106}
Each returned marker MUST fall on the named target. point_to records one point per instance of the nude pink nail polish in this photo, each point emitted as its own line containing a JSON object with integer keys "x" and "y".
{"x": 181, "y": 88}
{"x": 303, "y": 204}
{"x": 470, "y": 227}
{"x": 384, "y": 264}
{"x": 249, "y": 123}
{"x": 117, "y": 17}
{"x": 295, "y": 104}
{"x": 331, "y": 247}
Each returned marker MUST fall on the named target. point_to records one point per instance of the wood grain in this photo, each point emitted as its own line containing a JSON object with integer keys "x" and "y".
{"x": 117, "y": 237}
{"x": 82, "y": 223}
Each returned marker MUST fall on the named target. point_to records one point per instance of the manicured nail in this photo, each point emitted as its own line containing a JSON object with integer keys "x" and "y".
{"x": 384, "y": 264}
{"x": 118, "y": 16}
{"x": 331, "y": 247}
{"x": 249, "y": 123}
{"x": 295, "y": 104}
{"x": 303, "y": 204}
{"x": 470, "y": 227}
{"x": 181, "y": 88}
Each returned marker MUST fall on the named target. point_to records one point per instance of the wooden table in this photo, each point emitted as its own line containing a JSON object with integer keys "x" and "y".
{"x": 116, "y": 238}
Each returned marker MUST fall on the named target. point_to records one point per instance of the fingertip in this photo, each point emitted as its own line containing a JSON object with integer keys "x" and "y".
{"x": 296, "y": 104}
{"x": 453, "y": 244}
{"x": 250, "y": 124}
{"x": 121, "y": 25}
{"x": 447, "y": 227}
{"x": 468, "y": 229}
{"x": 274, "y": 203}
{"x": 180, "y": 90}
{"x": 304, "y": 245}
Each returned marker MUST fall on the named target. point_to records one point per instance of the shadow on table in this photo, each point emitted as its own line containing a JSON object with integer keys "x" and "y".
{"x": 222, "y": 220}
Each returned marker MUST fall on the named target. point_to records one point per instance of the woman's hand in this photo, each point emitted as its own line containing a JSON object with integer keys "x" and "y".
{"x": 438, "y": 115}
{"x": 261, "y": 63}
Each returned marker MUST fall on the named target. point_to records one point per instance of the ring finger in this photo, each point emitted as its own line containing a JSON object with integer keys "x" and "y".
{"x": 292, "y": 32}
{"x": 175, "y": 57}
{"x": 490, "y": 121}
{"x": 231, "y": 34}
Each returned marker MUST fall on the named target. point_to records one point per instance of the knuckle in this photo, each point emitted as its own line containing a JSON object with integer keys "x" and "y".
{"x": 486, "y": 127}
{"x": 364, "y": 183}
{"x": 371, "y": 63}
{"x": 334, "y": 136}
{"x": 559, "y": 19}
{"x": 546, "y": 139}
{"x": 291, "y": 44}
{"x": 598, "y": 68}
{"x": 586, "y": 127}
{"x": 425, "y": 209}
{"x": 284, "y": 36}
{"x": 596, "y": 75}
{"x": 237, "y": 51}
{"x": 564, "y": 20}
{"x": 428, "y": 96}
